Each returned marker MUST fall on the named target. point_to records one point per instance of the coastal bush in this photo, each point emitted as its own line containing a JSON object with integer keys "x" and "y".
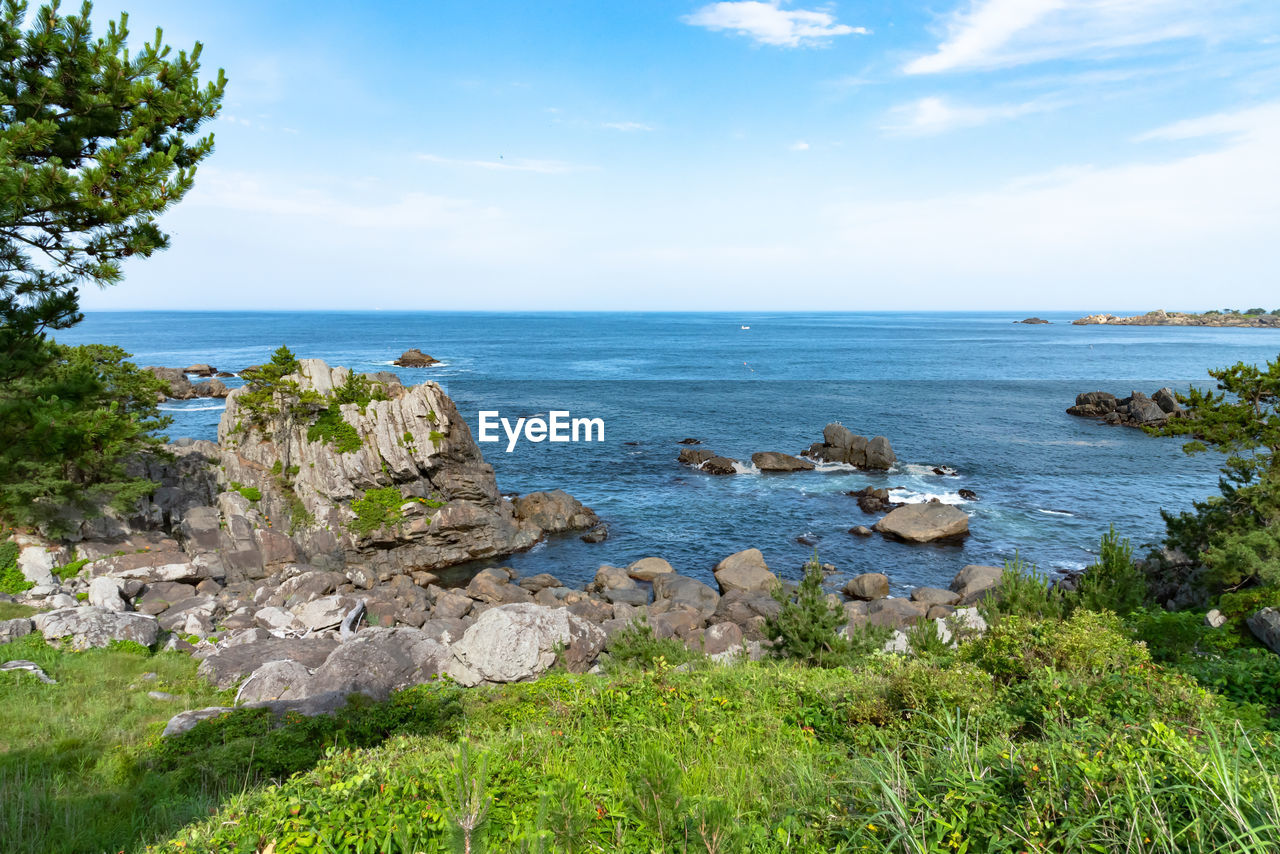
{"x": 68, "y": 432}
{"x": 330, "y": 427}
{"x": 1024, "y": 591}
{"x": 807, "y": 625}
{"x": 376, "y": 509}
{"x": 1235, "y": 535}
{"x": 637, "y": 646}
{"x": 1112, "y": 582}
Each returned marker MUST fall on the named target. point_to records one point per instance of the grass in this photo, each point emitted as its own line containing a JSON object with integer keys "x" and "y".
{"x": 13, "y": 610}
{"x": 376, "y": 509}
{"x": 69, "y": 773}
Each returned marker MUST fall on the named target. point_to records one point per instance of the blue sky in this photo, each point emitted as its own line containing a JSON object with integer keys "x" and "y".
{"x": 964, "y": 154}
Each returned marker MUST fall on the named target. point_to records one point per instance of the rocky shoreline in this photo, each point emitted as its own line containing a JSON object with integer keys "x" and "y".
{"x": 298, "y": 555}
{"x": 1178, "y": 318}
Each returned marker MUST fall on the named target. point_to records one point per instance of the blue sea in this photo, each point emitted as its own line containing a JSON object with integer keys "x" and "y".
{"x": 975, "y": 392}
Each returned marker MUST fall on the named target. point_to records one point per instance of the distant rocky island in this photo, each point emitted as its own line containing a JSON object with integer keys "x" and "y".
{"x": 1254, "y": 317}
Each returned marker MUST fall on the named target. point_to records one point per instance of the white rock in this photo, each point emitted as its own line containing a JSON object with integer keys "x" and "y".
{"x": 96, "y": 627}
{"x": 106, "y": 593}
{"x": 513, "y": 643}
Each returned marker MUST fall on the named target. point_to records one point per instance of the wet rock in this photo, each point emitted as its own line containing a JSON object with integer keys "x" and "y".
{"x": 776, "y": 461}
{"x": 555, "y": 512}
{"x": 841, "y": 445}
{"x": 695, "y": 456}
{"x": 860, "y": 531}
{"x": 598, "y": 534}
{"x": 415, "y": 358}
{"x": 720, "y": 466}
{"x": 689, "y": 441}
{"x": 924, "y": 523}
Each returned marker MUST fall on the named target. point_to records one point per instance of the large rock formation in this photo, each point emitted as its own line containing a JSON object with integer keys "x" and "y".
{"x": 924, "y": 523}
{"x": 841, "y": 445}
{"x": 397, "y": 483}
{"x": 1179, "y": 318}
{"x": 1136, "y": 410}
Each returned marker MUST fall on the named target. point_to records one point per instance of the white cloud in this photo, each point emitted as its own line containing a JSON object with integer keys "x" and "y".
{"x": 1189, "y": 224}
{"x": 1000, "y": 33}
{"x": 799, "y": 145}
{"x": 933, "y": 115}
{"x": 545, "y": 167}
{"x": 627, "y": 127}
{"x": 769, "y": 23}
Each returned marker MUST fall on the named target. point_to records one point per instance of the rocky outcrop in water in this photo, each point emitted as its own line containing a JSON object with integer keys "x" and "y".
{"x": 415, "y": 358}
{"x": 179, "y": 387}
{"x": 1179, "y": 318}
{"x": 396, "y": 483}
{"x": 924, "y": 523}
{"x": 841, "y": 445}
{"x": 1136, "y": 410}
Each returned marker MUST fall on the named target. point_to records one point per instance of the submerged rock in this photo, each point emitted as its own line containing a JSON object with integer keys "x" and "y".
{"x": 777, "y": 461}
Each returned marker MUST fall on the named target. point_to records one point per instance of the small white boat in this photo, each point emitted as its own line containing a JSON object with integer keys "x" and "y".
{"x": 744, "y": 327}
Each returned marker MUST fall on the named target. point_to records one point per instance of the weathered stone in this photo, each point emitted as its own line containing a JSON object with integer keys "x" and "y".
{"x": 868, "y": 586}
{"x": 452, "y": 604}
{"x": 541, "y": 581}
{"x": 649, "y": 568}
{"x": 277, "y": 620}
{"x": 326, "y": 612}
{"x": 681, "y": 622}
{"x": 779, "y": 462}
{"x": 1215, "y": 619}
{"x": 880, "y": 454}
{"x": 673, "y": 592}
{"x": 974, "y": 580}
{"x": 860, "y": 531}
{"x": 611, "y": 578}
{"x": 721, "y": 637}
{"x": 895, "y": 613}
{"x": 745, "y": 571}
{"x": 512, "y": 643}
{"x": 11, "y": 630}
{"x": 592, "y": 610}
{"x": 379, "y": 661}
{"x": 415, "y": 358}
{"x": 934, "y": 596}
{"x": 313, "y": 706}
{"x": 234, "y": 661}
{"x": 275, "y": 680}
{"x": 555, "y": 512}
{"x": 596, "y": 534}
{"x": 1265, "y": 626}
{"x": 720, "y": 466}
{"x": 96, "y": 627}
{"x": 106, "y": 593}
{"x": 923, "y": 523}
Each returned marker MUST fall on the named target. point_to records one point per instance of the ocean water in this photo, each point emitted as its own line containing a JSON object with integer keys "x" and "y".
{"x": 974, "y": 392}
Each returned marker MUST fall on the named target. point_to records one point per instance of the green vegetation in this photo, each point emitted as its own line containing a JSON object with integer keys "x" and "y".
{"x": 12, "y": 581}
{"x": 805, "y": 628}
{"x": 96, "y": 141}
{"x": 12, "y": 610}
{"x": 251, "y": 493}
{"x": 332, "y": 428}
{"x": 1235, "y": 534}
{"x": 376, "y": 509}
{"x": 70, "y": 570}
{"x": 1113, "y": 583}
{"x": 72, "y": 773}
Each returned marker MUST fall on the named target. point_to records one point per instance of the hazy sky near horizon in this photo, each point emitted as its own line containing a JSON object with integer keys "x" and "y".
{"x": 676, "y": 154}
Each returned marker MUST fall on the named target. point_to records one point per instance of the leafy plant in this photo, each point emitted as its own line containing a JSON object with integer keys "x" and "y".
{"x": 12, "y": 581}
{"x": 807, "y": 625}
{"x": 378, "y": 508}
{"x": 1112, "y": 582}
{"x": 1024, "y": 591}
{"x": 637, "y": 646}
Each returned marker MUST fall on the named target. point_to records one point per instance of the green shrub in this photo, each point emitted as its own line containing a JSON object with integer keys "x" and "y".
{"x": 1243, "y": 604}
{"x": 12, "y": 581}
{"x": 807, "y": 626}
{"x": 332, "y": 428}
{"x": 376, "y": 509}
{"x": 1112, "y": 582}
{"x": 70, "y": 570}
{"x": 636, "y": 646}
{"x": 252, "y": 493}
{"x": 1026, "y": 592}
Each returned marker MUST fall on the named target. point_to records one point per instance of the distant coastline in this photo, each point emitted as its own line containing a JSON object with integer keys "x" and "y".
{"x": 1178, "y": 318}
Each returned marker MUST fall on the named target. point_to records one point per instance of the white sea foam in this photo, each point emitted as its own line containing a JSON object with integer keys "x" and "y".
{"x": 842, "y": 468}
{"x": 1053, "y": 512}
{"x": 924, "y": 470}
{"x": 192, "y": 408}
{"x": 908, "y": 496}
{"x": 745, "y": 468}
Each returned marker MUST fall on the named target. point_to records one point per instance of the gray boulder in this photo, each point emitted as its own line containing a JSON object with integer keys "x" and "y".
{"x": 776, "y": 461}
{"x": 555, "y": 512}
{"x": 379, "y": 661}
{"x": 880, "y": 454}
{"x": 924, "y": 523}
{"x": 1265, "y": 626}
{"x": 276, "y": 680}
{"x": 973, "y": 581}
{"x": 745, "y": 571}
{"x": 313, "y": 706}
{"x": 11, "y": 630}
{"x": 895, "y": 613}
{"x": 233, "y": 662}
{"x": 107, "y": 593}
{"x": 934, "y": 596}
{"x": 96, "y": 627}
{"x": 515, "y": 643}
